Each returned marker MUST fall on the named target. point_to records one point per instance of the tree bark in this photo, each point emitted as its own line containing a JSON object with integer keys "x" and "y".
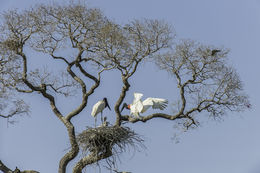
{"x": 74, "y": 149}
{"x": 5, "y": 169}
{"x": 90, "y": 159}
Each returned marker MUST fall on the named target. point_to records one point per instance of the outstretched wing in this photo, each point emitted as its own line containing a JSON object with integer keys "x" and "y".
{"x": 137, "y": 97}
{"x": 156, "y": 103}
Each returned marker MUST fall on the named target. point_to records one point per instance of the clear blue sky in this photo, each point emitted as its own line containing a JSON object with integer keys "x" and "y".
{"x": 230, "y": 146}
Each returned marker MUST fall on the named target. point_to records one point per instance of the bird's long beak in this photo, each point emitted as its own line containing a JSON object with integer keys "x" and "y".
{"x": 124, "y": 106}
{"x": 108, "y": 106}
{"x": 106, "y": 103}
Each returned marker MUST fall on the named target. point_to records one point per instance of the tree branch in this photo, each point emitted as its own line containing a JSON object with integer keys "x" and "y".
{"x": 66, "y": 120}
{"x": 90, "y": 159}
{"x": 23, "y": 91}
{"x": 12, "y": 114}
{"x": 60, "y": 58}
{"x": 74, "y": 148}
{"x": 181, "y": 87}
{"x": 152, "y": 116}
{"x": 41, "y": 89}
{"x": 87, "y": 74}
{"x": 5, "y": 169}
{"x": 125, "y": 88}
{"x": 83, "y": 89}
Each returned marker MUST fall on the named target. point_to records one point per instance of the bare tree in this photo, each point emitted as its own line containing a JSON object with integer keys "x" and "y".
{"x": 94, "y": 44}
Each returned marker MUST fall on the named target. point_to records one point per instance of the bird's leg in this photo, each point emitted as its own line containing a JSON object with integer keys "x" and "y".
{"x": 95, "y": 121}
{"x": 102, "y": 117}
{"x": 139, "y": 116}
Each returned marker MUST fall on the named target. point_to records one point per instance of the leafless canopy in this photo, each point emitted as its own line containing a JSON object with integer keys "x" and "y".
{"x": 205, "y": 81}
{"x": 86, "y": 44}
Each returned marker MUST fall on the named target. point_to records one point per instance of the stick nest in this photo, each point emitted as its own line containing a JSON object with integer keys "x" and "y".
{"x": 104, "y": 138}
{"x": 11, "y": 44}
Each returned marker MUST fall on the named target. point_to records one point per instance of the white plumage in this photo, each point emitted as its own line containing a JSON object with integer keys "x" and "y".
{"x": 98, "y": 108}
{"x": 138, "y": 106}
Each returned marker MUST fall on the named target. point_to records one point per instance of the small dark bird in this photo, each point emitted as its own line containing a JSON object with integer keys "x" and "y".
{"x": 105, "y": 123}
{"x": 248, "y": 105}
{"x": 214, "y": 51}
{"x": 99, "y": 107}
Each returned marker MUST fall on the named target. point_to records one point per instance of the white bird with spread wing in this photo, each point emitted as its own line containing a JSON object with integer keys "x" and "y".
{"x": 138, "y": 106}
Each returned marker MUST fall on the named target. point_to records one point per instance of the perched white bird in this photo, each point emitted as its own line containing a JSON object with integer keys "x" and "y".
{"x": 99, "y": 107}
{"x": 138, "y": 106}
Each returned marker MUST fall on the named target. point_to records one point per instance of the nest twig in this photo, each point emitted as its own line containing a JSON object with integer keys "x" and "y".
{"x": 11, "y": 44}
{"x": 114, "y": 138}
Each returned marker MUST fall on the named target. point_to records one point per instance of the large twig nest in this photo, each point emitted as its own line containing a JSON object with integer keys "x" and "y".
{"x": 113, "y": 138}
{"x": 11, "y": 44}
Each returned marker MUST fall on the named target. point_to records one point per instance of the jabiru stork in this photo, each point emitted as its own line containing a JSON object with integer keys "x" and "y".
{"x": 98, "y": 108}
{"x": 139, "y": 106}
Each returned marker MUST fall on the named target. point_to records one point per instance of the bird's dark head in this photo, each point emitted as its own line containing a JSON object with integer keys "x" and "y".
{"x": 106, "y": 102}
{"x": 215, "y": 51}
{"x": 125, "y": 105}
